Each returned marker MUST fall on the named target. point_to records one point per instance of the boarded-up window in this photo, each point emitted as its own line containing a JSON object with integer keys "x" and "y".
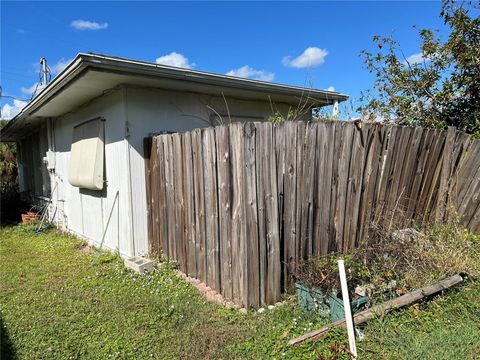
{"x": 86, "y": 155}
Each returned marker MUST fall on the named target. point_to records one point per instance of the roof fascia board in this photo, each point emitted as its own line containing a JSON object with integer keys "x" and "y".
{"x": 150, "y": 69}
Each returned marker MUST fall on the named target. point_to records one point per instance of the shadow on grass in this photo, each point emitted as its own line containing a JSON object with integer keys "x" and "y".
{"x": 7, "y": 350}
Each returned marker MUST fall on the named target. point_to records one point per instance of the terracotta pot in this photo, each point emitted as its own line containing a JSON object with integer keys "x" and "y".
{"x": 32, "y": 215}
{"x": 25, "y": 218}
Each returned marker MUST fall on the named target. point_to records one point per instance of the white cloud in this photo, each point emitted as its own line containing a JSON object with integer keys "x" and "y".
{"x": 251, "y": 73}
{"x": 175, "y": 59}
{"x": 311, "y": 57}
{"x": 33, "y": 90}
{"x": 60, "y": 65}
{"x": 10, "y": 110}
{"x": 330, "y": 88}
{"x": 415, "y": 59}
{"x": 88, "y": 25}
{"x": 29, "y": 90}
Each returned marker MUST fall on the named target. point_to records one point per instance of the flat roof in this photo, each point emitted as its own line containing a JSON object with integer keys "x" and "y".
{"x": 89, "y": 75}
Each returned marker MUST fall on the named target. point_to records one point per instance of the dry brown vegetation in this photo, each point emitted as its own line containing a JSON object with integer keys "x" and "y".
{"x": 390, "y": 263}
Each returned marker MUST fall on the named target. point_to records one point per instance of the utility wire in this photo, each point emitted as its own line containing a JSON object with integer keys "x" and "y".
{"x": 9, "y": 96}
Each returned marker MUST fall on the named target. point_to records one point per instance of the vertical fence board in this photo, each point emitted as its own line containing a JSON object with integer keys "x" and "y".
{"x": 273, "y": 259}
{"x": 251, "y": 216}
{"x": 225, "y": 216}
{"x": 466, "y": 172}
{"x": 354, "y": 187}
{"x": 321, "y": 193}
{"x": 170, "y": 191}
{"x": 189, "y": 192}
{"x": 178, "y": 164}
{"x": 279, "y": 143}
{"x": 156, "y": 199}
{"x": 199, "y": 191}
{"x": 148, "y": 147}
{"x": 238, "y": 214}
{"x": 305, "y": 234}
{"x": 161, "y": 219}
{"x": 300, "y": 185}
{"x": 289, "y": 200}
{"x": 261, "y": 180}
{"x": 342, "y": 186}
{"x": 211, "y": 209}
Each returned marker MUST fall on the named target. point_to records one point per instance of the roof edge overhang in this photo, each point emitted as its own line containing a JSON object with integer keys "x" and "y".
{"x": 84, "y": 62}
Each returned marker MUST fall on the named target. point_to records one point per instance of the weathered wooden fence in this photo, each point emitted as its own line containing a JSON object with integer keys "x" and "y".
{"x": 238, "y": 205}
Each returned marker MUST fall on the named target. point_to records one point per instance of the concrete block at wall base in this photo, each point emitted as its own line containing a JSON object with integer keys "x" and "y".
{"x": 139, "y": 264}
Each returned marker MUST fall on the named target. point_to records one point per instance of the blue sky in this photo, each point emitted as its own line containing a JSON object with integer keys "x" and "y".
{"x": 307, "y": 43}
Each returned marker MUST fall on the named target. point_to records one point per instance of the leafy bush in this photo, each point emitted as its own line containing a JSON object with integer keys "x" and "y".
{"x": 9, "y": 196}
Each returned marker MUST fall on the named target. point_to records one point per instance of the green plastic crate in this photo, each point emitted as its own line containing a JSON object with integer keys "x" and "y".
{"x": 337, "y": 310}
{"x": 311, "y": 299}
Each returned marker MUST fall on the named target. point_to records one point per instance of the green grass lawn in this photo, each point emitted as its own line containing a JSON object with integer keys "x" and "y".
{"x": 59, "y": 300}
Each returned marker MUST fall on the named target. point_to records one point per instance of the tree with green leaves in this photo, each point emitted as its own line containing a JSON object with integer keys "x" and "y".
{"x": 9, "y": 196}
{"x": 441, "y": 87}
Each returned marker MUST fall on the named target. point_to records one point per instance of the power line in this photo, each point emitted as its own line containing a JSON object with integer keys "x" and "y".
{"x": 9, "y": 96}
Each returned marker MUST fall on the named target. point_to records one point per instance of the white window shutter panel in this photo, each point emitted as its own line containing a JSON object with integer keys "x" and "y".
{"x": 86, "y": 168}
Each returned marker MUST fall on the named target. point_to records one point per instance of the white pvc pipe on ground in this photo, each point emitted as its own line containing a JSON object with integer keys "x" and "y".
{"x": 348, "y": 311}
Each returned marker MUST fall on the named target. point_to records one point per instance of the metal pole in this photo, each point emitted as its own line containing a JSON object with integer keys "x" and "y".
{"x": 43, "y": 62}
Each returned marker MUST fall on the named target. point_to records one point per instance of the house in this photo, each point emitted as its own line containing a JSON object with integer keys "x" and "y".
{"x": 80, "y": 141}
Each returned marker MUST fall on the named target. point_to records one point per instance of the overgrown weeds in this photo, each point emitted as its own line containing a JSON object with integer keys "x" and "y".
{"x": 390, "y": 263}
